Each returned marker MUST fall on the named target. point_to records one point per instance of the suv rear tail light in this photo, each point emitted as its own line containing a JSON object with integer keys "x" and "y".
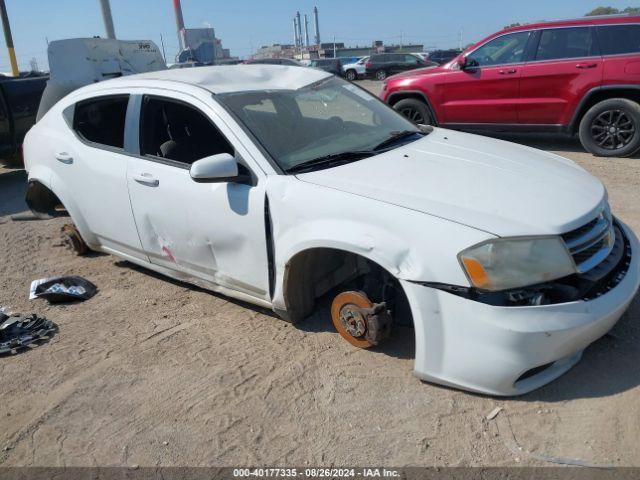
{"x": 368, "y": 65}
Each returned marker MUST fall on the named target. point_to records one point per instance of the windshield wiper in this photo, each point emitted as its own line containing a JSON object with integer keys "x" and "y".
{"x": 397, "y": 136}
{"x": 331, "y": 160}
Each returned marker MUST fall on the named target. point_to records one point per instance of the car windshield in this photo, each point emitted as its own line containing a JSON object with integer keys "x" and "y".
{"x": 323, "y": 120}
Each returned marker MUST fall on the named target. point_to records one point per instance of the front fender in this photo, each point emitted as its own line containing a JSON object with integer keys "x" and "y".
{"x": 410, "y": 245}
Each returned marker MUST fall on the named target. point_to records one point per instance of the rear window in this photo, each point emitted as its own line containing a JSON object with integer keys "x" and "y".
{"x": 618, "y": 39}
{"x": 566, "y": 43}
{"x": 101, "y": 120}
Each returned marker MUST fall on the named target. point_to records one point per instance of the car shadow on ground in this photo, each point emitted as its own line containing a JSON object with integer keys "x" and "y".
{"x": 13, "y": 186}
{"x": 401, "y": 345}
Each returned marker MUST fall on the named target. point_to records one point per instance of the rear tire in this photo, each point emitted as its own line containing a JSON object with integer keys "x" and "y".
{"x": 415, "y": 110}
{"x": 351, "y": 75}
{"x": 381, "y": 75}
{"x": 611, "y": 128}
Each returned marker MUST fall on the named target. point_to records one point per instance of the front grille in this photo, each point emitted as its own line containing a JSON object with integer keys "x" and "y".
{"x": 591, "y": 243}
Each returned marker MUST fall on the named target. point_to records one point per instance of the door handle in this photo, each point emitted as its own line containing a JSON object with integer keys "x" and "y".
{"x": 584, "y": 66}
{"x": 510, "y": 71}
{"x": 147, "y": 180}
{"x": 64, "y": 157}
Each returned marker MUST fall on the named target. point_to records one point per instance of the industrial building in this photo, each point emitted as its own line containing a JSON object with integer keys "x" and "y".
{"x": 303, "y": 48}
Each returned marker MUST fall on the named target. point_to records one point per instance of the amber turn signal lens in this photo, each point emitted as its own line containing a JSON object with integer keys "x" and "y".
{"x": 477, "y": 273}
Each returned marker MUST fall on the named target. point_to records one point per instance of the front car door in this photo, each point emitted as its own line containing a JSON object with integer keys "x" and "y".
{"x": 566, "y": 65}
{"x": 209, "y": 231}
{"x": 487, "y": 90}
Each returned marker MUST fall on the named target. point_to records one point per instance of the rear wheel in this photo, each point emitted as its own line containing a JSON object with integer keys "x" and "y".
{"x": 415, "y": 110}
{"x": 611, "y": 128}
{"x": 381, "y": 75}
{"x": 351, "y": 75}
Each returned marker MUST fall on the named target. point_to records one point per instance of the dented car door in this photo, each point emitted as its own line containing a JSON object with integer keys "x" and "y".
{"x": 209, "y": 231}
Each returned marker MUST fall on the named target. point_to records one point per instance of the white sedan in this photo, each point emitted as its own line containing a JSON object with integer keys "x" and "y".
{"x": 280, "y": 185}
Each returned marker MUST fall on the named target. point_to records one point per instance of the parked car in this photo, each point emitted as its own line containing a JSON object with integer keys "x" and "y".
{"x": 443, "y": 56}
{"x": 331, "y": 65}
{"x": 354, "y": 71}
{"x": 575, "y": 76}
{"x": 381, "y": 65}
{"x": 274, "y": 61}
{"x": 19, "y": 101}
{"x": 281, "y": 185}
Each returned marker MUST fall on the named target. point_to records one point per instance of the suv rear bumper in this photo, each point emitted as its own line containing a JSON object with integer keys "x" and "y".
{"x": 508, "y": 351}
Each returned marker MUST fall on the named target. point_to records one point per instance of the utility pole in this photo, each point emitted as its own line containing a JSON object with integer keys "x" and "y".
{"x": 460, "y": 41}
{"x": 334, "y": 46}
{"x": 107, "y": 18}
{"x": 164, "y": 54}
{"x": 9, "y": 39}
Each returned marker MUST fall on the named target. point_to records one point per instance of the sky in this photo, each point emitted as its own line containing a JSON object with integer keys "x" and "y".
{"x": 244, "y": 25}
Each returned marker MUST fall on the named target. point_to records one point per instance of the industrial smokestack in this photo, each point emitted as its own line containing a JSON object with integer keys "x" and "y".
{"x": 317, "y": 22}
{"x": 306, "y": 30}
{"x": 299, "y": 20}
{"x": 108, "y": 19}
{"x": 295, "y": 32}
{"x": 179, "y": 23}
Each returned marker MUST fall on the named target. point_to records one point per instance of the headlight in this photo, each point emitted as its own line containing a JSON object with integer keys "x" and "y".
{"x": 507, "y": 263}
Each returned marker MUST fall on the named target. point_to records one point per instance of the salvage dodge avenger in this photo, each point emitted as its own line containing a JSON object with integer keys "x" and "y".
{"x": 278, "y": 185}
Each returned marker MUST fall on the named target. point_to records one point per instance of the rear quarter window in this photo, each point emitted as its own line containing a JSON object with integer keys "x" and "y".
{"x": 619, "y": 39}
{"x": 101, "y": 120}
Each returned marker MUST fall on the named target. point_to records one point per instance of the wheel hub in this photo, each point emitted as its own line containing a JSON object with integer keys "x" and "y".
{"x": 613, "y": 129}
{"x": 353, "y": 320}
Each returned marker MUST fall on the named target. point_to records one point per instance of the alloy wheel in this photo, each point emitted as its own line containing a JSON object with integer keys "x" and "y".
{"x": 413, "y": 114}
{"x": 613, "y": 129}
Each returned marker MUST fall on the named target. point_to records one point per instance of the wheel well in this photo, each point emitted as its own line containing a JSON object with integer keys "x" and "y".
{"x": 43, "y": 202}
{"x": 315, "y": 272}
{"x": 600, "y": 95}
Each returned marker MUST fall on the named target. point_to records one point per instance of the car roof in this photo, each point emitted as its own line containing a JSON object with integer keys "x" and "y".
{"x": 232, "y": 78}
{"x": 620, "y": 19}
{"x": 594, "y": 20}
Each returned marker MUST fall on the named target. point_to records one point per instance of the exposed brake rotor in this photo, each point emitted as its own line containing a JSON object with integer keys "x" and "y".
{"x": 359, "y": 321}
{"x": 73, "y": 239}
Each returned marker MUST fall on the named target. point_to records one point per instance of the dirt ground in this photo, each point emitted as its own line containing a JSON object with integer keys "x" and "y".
{"x": 152, "y": 372}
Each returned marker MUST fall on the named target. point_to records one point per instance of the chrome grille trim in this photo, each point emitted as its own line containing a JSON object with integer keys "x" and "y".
{"x": 590, "y": 244}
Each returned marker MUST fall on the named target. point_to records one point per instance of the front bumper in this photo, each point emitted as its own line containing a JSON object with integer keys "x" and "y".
{"x": 483, "y": 348}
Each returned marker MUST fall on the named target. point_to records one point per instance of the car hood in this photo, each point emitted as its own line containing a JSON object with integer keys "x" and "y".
{"x": 491, "y": 185}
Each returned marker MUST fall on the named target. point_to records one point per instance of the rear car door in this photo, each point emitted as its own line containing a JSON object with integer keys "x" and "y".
{"x": 620, "y": 49}
{"x": 209, "y": 231}
{"x": 565, "y": 66}
{"x": 486, "y": 91}
{"x": 92, "y": 167}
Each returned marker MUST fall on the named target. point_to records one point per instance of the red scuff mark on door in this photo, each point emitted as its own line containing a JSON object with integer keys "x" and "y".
{"x": 168, "y": 253}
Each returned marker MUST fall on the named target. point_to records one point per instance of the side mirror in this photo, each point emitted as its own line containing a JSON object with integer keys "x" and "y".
{"x": 215, "y": 169}
{"x": 462, "y": 62}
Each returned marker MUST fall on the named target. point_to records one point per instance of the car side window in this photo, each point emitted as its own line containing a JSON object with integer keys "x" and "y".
{"x": 175, "y": 131}
{"x": 411, "y": 59}
{"x": 101, "y": 120}
{"x": 561, "y": 43}
{"x": 502, "y": 50}
{"x": 619, "y": 39}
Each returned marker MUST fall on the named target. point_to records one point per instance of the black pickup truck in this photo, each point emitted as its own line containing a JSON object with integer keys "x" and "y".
{"x": 19, "y": 101}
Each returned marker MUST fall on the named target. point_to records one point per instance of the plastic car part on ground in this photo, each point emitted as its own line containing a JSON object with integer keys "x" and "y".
{"x": 62, "y": 289}
{"x": 17, "y": 331}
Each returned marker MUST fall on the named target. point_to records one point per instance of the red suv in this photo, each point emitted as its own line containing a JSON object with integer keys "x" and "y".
{"x": 574, "y": 76}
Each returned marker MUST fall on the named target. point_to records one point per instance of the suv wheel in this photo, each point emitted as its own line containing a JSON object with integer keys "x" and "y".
{"x": 351, "y": 75}
{"x": 381, "y": 75}
{"x": 415, "y": 110}
{"x": 611, "y": 128}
